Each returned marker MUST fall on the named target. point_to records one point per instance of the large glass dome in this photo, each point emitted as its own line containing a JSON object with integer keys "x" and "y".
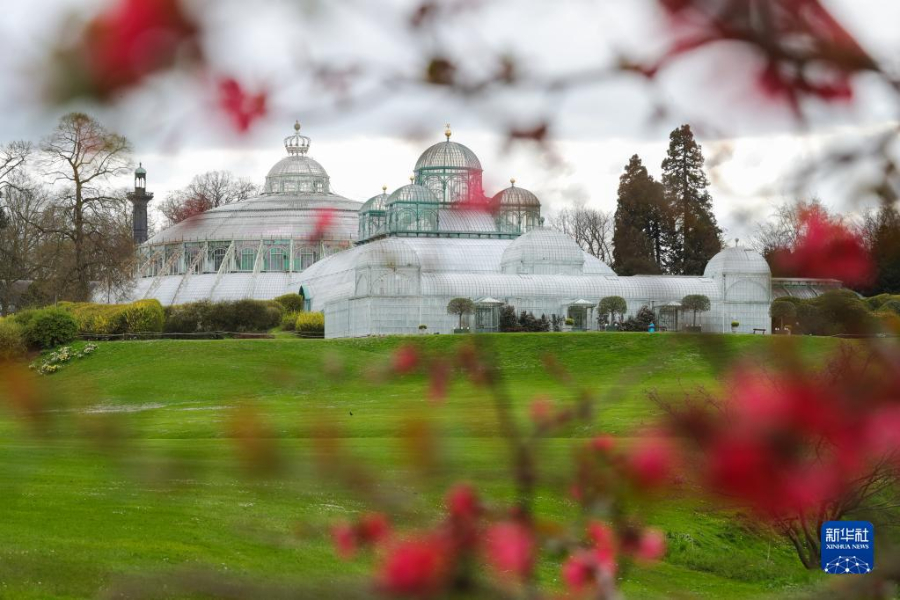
{"x": 225, "y": 249}
{"x": 451, "y": 171}
{"x": 297, "y": 172}
{"x": 448, "y": 155}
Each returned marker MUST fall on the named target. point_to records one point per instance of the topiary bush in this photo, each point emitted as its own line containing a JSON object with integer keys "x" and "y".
{"x": 291, "y": 303}
{"x": 50, "y": 327}
{"x": 311, "y": 324}
{"x": 12, "y": 340}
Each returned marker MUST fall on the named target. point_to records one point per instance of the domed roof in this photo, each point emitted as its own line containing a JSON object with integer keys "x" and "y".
{"x": 390, "y": 253}
{"x": 412, "y": 193}
{"x": 448, "y": 155}
{"x": 543, "y": 251}
{"x": 737, "y": 260}
{"x": 378, "y": 202}
{"x": 297, "y": 164}
{"x": 516, "y": 196}
{"x": 140, "y": 170}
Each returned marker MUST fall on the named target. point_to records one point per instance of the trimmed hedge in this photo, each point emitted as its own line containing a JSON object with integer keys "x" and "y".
{"x": 311, "y": 323}
{"x": 12, "y": 340}
{"x": 292, "y": 303}
{"x": 143, "y": 316}
{"x": 241, "y": 316}
{"x": 47, "y": 327}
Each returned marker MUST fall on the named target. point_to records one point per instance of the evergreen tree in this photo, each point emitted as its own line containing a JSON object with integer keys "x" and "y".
{"x": 641, "y": 230}
{"x": 697, "y": 236}
{"x": 884, "y": 246}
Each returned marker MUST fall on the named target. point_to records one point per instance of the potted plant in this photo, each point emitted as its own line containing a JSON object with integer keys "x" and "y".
{"x": 422, "y": 328}
{"x": 734, "y": 326}
{"x": 569, "y": 322}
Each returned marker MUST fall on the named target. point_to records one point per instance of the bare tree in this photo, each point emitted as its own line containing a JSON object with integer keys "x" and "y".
{"x": 783, "y": 228}
{"x": 83, "y": 155}
{"x": 592, "y": 229}
{"x": 26, "y": 253}
{"x": 205, "y": 191}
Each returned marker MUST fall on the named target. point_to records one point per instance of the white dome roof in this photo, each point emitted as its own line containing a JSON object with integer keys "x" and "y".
{"x": 739, "y": 261}
{"x": 448, "y": 155}
{"x": 390, "y": 253}
{"x": 543, "y": 251}
{"x": 516, "y": 196}
{"x": 298, "y": 164}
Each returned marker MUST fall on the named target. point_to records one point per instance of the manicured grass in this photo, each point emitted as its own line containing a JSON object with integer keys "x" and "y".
{"x": 140, "y": 465}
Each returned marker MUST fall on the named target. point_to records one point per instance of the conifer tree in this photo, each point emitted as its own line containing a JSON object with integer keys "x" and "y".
{"x": 697, "y": 236}
{"x": 641, "y": 230}
{"x": 885, "y": 251}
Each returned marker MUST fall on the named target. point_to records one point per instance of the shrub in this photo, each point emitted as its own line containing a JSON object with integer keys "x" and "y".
{"x": 641, "y": 321}
{"x": 138, "y": 317}
{"x": 12, "y": 340}
{"x": 238, "y": 316}
{"x": 189, "y": 318}
{"x": 289, "y": 321}
{"x": 508, "y": 320}
{"x": 142, "y": 316}
{"x": 311, "y": 324}
{"x": 50, "y": 327}
{"x": 291, "y": 303}
{"x": 892, "y": 305}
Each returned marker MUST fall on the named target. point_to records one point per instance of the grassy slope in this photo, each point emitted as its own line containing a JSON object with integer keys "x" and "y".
{"x": 165, "y": 490}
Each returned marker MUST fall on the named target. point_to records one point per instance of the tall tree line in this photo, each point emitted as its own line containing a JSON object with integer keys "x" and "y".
{"x": 666, "y": 226}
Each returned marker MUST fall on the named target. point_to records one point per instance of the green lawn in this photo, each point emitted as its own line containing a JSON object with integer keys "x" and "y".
{"x": 135, "y": 468}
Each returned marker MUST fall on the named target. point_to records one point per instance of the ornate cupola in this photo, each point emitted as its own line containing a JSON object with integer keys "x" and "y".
{"x": 297, "y": 173}
{"x": 139, "y": 199}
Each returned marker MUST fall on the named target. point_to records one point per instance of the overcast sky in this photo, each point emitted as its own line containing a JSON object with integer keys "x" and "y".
{"x": 752, "y": 147}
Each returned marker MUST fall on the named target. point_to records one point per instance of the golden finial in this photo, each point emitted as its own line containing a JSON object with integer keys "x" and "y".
{"x": 412, "y": 178}
{"x": 384, "y": 189}
{"x": 297, "y": 126}
{"x": 512, "y": 181}
{"x": 448, "y": 132}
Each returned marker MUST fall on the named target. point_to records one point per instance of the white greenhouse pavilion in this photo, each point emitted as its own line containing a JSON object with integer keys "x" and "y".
{"x": 393, "y": 263}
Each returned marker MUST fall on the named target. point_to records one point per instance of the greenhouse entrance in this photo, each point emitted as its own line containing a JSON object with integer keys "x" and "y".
{"x": 667, "y": 316}
{"x": 581, "y": 312}
{"x": 487, "y": 315}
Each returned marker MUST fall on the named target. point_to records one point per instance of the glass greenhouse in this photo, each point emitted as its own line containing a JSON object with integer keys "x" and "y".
{"x": 393, "y": 263}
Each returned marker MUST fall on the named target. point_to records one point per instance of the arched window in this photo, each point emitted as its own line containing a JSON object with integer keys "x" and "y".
{"x": 248, "y": 258}
{"x": 306, "y": 257}
{"x": 218, "y": 256}
{"x": 277, "y": 260}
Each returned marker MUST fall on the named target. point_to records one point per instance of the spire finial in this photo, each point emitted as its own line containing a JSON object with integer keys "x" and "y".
{"x": 737, "y": 242}
{"x": 448, "y": 132}
{"x": 412, "y": 178}
{"x": 297, "y": 125}
{"x": 384, "y": 189}
{"x": 512, "y": 181}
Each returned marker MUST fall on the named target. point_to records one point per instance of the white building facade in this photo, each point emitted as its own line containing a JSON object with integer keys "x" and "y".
{"x": 392, "y": 264}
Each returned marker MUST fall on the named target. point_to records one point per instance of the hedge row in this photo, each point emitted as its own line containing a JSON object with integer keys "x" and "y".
{"x": 242, "y": 316}
{"x": 143, "y": 316}
{"x": 12, "y": 340}
{"x": 836, "y": 312}
{"x": 310, "y": 324}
